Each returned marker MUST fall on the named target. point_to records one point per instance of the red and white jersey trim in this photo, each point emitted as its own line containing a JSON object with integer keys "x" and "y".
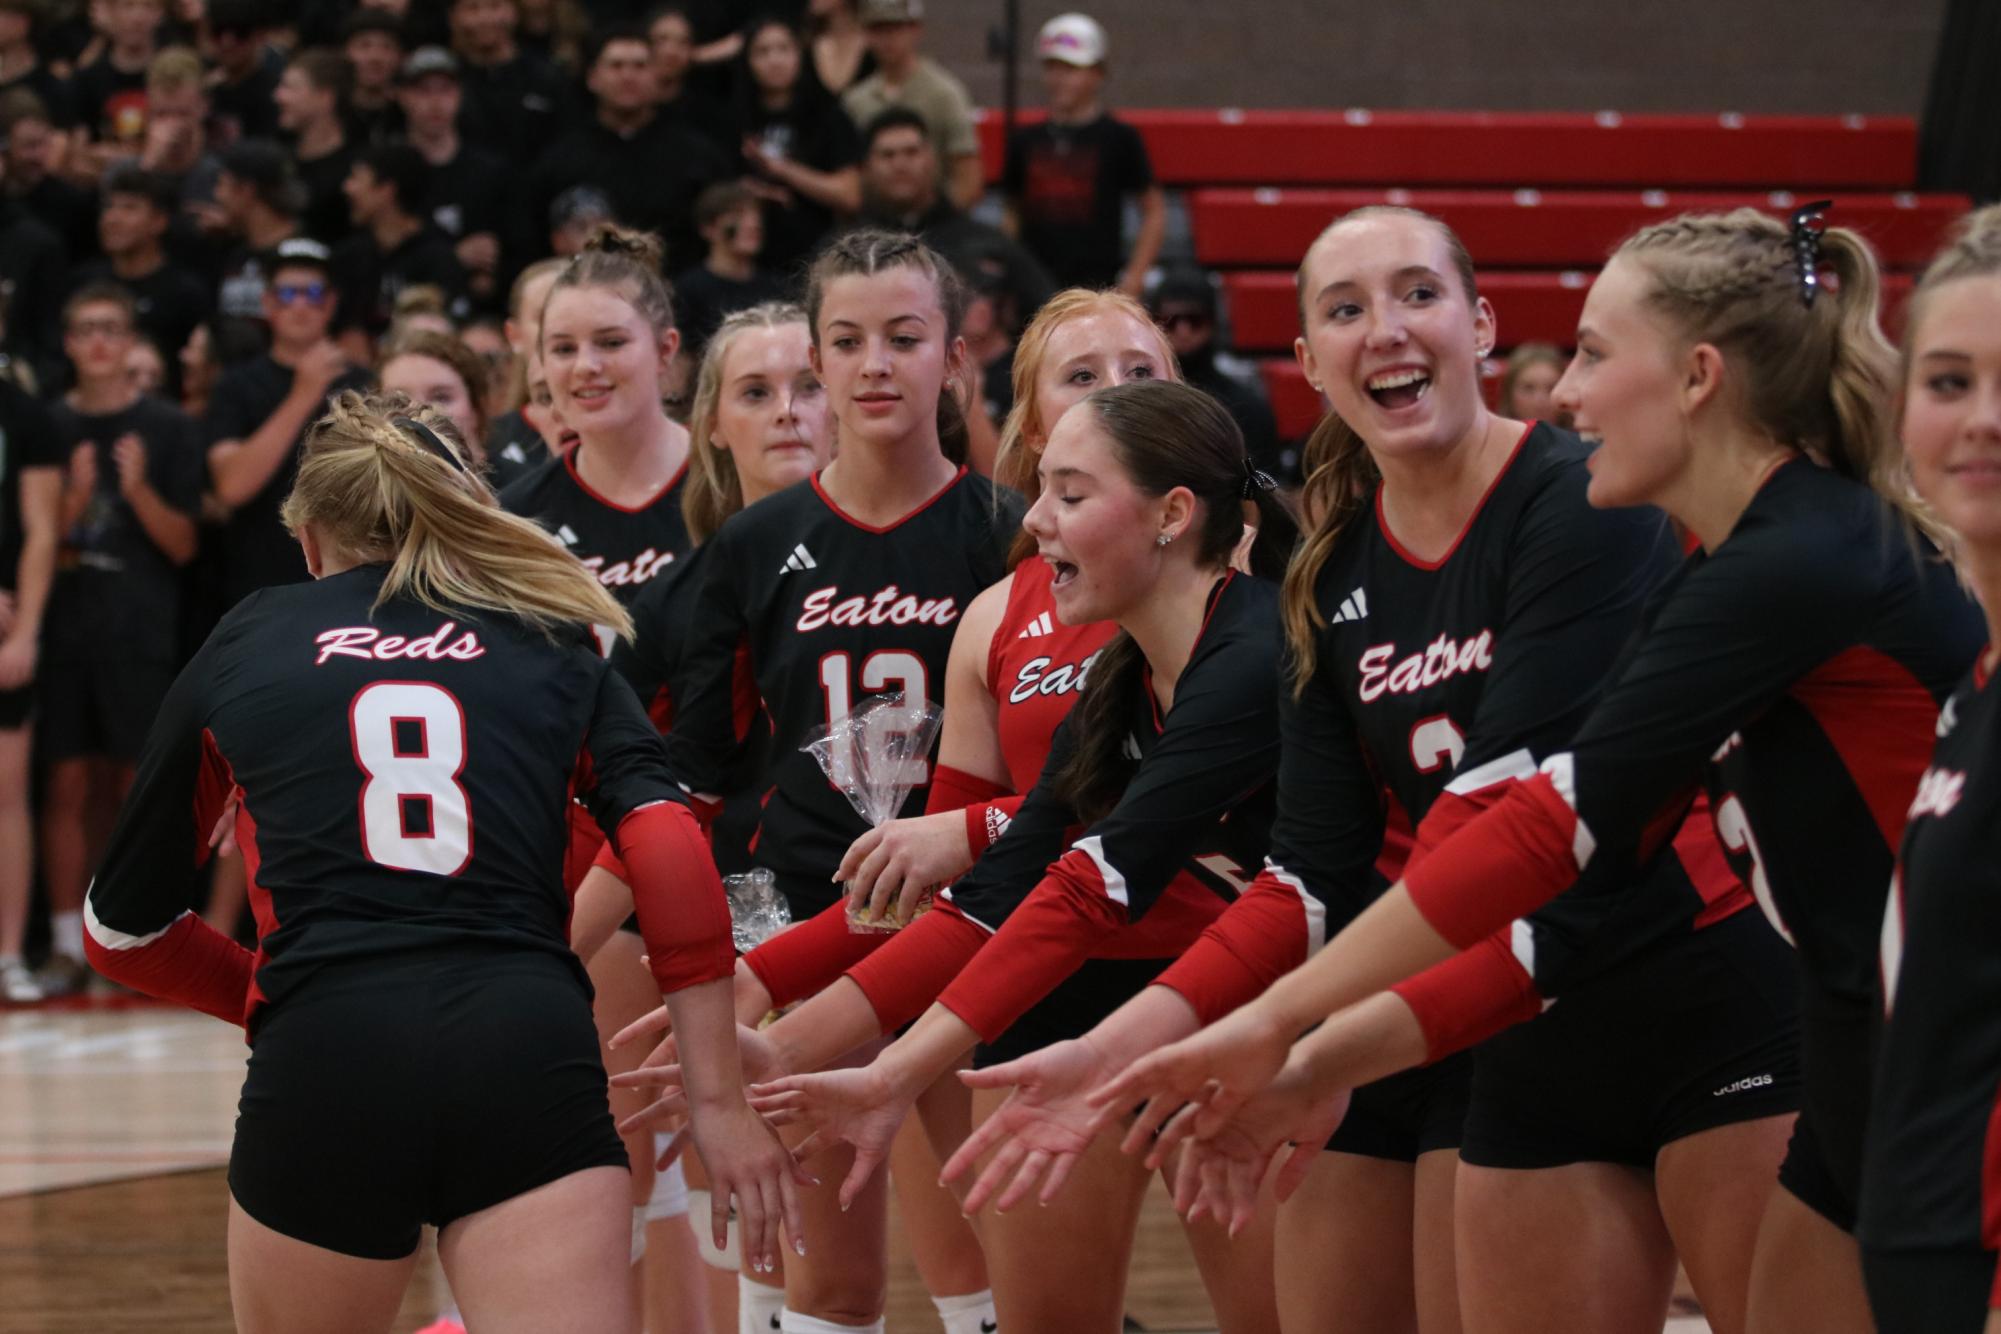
{"x": 113, "y": 939}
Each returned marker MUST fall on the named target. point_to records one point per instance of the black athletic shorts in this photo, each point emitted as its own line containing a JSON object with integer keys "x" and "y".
{"x": 100, "y": 707}
{"x": 386, "y": 1094}
{"x": 1810, "y": 1179}
{"x": 1698, "y": 1031}
{"x": 16, "y": 707}
{"x": 1410, "y": 1113}
{"x": 1838, "y": 1039}
{"x": 1077, "y": 1005}
{"x": 1929, "y": 1292}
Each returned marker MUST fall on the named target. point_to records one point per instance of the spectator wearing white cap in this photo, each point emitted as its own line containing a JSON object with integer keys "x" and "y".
{"x": 904, "y": 78}
{"x": 1067, "y": 179}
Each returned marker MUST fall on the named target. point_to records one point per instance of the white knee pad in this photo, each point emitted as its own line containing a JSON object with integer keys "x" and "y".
{"x": 698, "y": 1219}
{"x": 670, "y": 1193}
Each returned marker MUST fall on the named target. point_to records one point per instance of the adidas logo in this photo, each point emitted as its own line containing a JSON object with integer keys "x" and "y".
{"x": 1742, "y": 1085}
{"x": 1038, "y": 627}
{"x": 1353, "y": 608}
{"x": 800, "y": 559}
{"x": 567, "y": 535}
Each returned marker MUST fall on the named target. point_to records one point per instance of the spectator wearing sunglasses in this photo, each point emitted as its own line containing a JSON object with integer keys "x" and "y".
{"x": 1183, "y": 304}
{"x": 260, "y": 410}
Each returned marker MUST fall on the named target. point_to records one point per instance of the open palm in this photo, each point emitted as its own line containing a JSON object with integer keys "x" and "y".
{"x": 1037, "y": 1135}
{"x": 855, "y": 1106}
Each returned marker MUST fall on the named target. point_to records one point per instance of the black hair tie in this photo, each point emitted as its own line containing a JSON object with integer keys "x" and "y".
{"x": 1256, "y": 481}
{"x": 430, "y": 440}
{"x": 1807, "y": 225}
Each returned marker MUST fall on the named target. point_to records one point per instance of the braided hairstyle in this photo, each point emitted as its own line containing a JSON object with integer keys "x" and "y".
{"x": 1818, "y": 376}
{"x": 378, "y": 490}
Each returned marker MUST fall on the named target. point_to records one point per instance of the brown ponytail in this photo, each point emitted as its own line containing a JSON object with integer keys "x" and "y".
{"x": 626, "y": 262}
{"x": 1166, "y": 435}
{"x": 379, "y": 492}
{"x": 1341, "y": 476}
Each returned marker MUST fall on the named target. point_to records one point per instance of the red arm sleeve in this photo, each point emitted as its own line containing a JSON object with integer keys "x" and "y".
{"x": 189, "y": 962}
{"x": 1503, "y": 864}
{"x": 920, "y": 961}
{"x": 1043, "y": 941}
{"x": 1472, "y": 996}
{"x": 683, "y": 915}
{"x": 803, "y": 960}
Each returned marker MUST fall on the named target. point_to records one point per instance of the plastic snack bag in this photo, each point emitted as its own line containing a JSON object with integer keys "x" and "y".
{"x": 757, "y": 910}
{"x": 875, "y": 755}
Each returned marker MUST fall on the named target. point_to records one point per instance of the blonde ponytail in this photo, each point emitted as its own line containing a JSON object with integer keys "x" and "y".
{"x": 1819, "y": 375}
{"x": 377, "y": 491}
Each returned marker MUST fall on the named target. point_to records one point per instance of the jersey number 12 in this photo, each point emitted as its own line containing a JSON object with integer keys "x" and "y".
{"x": 410, "y": 740}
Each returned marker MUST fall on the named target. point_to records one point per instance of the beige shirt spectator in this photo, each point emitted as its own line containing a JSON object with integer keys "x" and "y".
{"x": 933, "y": 94}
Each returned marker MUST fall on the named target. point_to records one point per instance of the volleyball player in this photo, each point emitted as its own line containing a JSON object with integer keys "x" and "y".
{"x": 1460, "y": 604}
{"x": 405, "y": 733}
{"x": 1929, "y": 1227}
{"x": 848, "y": 586}
{"x": 1131, "y": 473}
{"x": 759, "y": 424}
{"x": 1804, "y": 651}
{"x": 1016, "y": 670}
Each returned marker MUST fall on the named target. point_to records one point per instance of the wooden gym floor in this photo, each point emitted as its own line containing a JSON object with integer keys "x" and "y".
{"x": 115, "y": 1121}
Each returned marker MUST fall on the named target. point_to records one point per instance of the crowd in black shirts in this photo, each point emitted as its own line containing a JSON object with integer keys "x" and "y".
{"x": 214, "y": 214}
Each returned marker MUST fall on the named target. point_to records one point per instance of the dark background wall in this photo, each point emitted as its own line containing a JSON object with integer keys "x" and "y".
{"x": 1807, "y": 56}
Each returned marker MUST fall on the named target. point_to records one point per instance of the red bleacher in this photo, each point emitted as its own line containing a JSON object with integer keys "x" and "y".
{"x": 1530, "y": 228}
{"x": 1539, "y": 198}
{"x": 1491, "y": 148}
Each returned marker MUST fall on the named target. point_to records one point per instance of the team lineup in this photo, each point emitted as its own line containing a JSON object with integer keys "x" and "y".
{"x": 1528, "y": 859}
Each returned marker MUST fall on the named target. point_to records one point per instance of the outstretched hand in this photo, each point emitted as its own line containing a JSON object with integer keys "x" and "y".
{"x": 1221, "y": 1066}
{"x": 1225, "y": 1159}
{"x": 662, "y": 1071}
{"x": 746, "y": 1162}
{"x": 856, "y": 1106}
{"x": 1037, "y": 1135}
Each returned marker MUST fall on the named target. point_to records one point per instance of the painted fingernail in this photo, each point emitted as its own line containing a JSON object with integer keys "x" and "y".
{"x": 798, "y": 1247}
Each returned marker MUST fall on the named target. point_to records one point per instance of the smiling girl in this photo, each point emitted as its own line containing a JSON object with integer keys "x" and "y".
{"x": 1454, "y": 613}
{"x": 847, "y": 586}
{"x": 1016, "y": 670}
{"x": 1796, "y": 662}
{"x": 607, "y": 339}
{"x": 1928, "y": 1228}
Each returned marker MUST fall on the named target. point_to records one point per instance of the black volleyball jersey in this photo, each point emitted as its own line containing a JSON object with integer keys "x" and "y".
{"x": 654, "y": 663}
{"x": 832, "y": 611}
{"x": 1797, "y": 671}
{"x": 1142, "y": 880}
{"x": 625, "y": 548}
{"x": 1932, "y": 1172}
{"x": 1445, "y": 682}
{"x": 405, "y": 777}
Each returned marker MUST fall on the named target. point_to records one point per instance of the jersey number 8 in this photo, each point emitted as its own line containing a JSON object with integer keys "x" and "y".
{"x": 410, "y": 740}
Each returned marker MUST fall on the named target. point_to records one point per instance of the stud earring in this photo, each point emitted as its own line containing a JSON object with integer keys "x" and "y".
{"x": 1162, "y": 540}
